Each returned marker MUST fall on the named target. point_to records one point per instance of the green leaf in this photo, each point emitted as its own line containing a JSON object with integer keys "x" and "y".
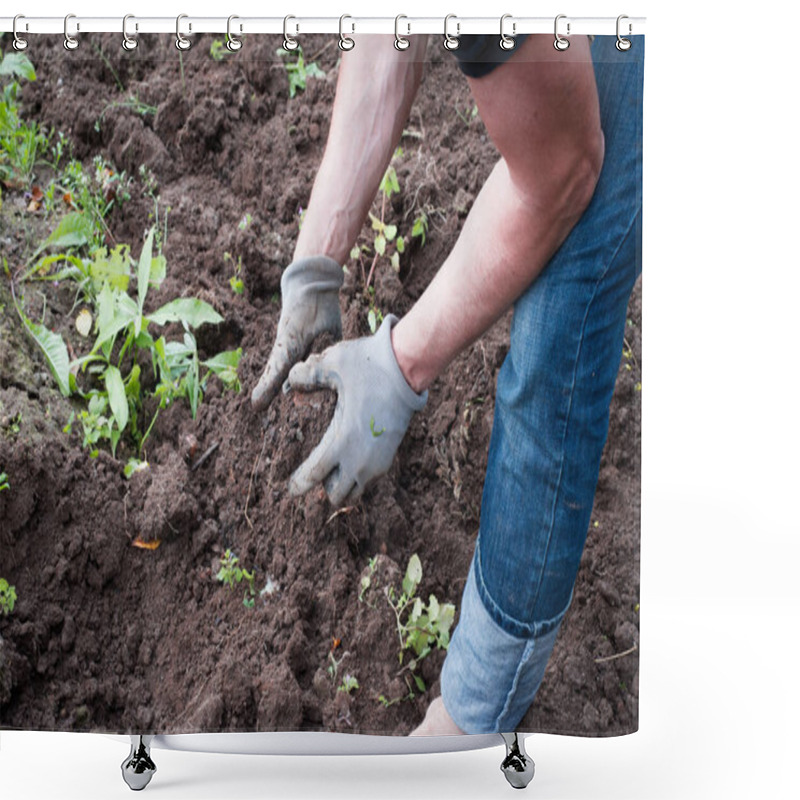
{"x": 224, "y": 360}
{"x": 401, "y": 244}
{"x": 355, "y": 252}
{"x": 111, "y": 267}
{"x": 18, "y": 65}
{"x": 74, "y": 230}
{"x": 133, "y": 466}
{"x": 117, "y": 398}
{"x": 372, "y": 320}
{"x": 420, "y": 683}
{"x": 390, "y": 231}
{"x": 158, "y": 271}
{"x": 191, "y": 310}
{"x": 117, "y": 312}
{"x": 54, "y": 349}
{"x": 433, "y": 608}
{"x": 143, "y": 269}
{"x": 395, "y": 261}
{"x": 380, "y": 244}
{"x": 413, "y": 575}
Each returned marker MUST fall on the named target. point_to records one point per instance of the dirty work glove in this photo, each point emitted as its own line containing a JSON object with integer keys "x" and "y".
{"x": 373, "y": 409}
{"x": 310, "y": 307}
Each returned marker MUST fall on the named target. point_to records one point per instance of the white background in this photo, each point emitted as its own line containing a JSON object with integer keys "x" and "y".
{"x": 720, "y": 607}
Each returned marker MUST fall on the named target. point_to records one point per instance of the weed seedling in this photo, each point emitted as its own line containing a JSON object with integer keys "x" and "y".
{"x": 419, "y": 627}
{"x": 349, "y": 683}
{"x": 4, "y": 484}
{"x": 298, "y": 71}
{"x": 8, "y": 597}
{"x": 218, "y": 51}
{"x": 230, "y": 574}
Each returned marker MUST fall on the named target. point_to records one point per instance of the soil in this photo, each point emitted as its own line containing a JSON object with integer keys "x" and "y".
{"x": 110, "y": 637}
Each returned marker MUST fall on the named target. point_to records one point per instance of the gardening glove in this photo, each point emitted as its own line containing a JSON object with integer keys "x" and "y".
{"x": 373, "y": 410}
{"x": 310, "y": 307}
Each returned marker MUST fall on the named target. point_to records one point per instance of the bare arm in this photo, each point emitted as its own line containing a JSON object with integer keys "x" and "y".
{"x": 374, "y": 93}
{"x": 542, "y": 112}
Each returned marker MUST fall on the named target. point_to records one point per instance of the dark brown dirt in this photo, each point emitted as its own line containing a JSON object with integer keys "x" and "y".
{"x": 108, "y": 637}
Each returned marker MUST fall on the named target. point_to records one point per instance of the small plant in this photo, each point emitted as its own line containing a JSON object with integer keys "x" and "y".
{"x": 349, "y": 683}
{"x": 298, "y": 71}
{"x": 217, "y": 50}
{"x": 133, "y": 103}
{"x": 467, "y": 115}
{"x": 8, "y": 597}
{"x": 4, "y": 484}
{"x": 230, "y": 574}
{"x": 420, "y": 228}
{"x": 235, "y": 281}
{"x": 21, "y": 144}
{"x": 116, "y": 400}
{"x": 420, "y": 627}
{"x": 366, "y": 581}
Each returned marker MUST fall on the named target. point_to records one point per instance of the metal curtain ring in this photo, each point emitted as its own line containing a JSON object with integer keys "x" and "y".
{"x": 451, "y": 42}
{"x": 288, "y": 42}
{"x": 345, "y": 42}
{"x": 181, "y": 42}
{"x": 560, "y": 42}
{"x": 507, "y": 42}
{"x": 400, "y": 42}
{"x": 19, "y": 43}
{"x": 233, "y": 43}
{"x": 622, "y": 44}
{"x": 128, "y": 42}
{"x": 70, "y": 42}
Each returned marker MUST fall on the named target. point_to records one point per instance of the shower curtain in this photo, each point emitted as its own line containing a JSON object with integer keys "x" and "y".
{"x": 178, "y": 553}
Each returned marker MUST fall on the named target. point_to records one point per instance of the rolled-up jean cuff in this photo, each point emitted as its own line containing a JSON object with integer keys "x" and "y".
{"x": 490, "y": 677}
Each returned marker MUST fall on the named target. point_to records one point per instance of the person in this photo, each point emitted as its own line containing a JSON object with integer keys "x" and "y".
{"x": 555, "y": 232}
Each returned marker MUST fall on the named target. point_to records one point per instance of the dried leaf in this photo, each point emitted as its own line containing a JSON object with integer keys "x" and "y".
{"x": 138, "y": 542}
{"x": 83, "y": 322}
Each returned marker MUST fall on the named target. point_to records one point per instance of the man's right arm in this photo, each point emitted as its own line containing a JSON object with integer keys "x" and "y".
{"x": 375, "y": 89}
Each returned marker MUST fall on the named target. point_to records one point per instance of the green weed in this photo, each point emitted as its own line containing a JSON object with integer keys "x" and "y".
{"x": 217, "y": 50}
{"x": 21, "y": 144}
{"x": 349, "y": 683}
{"x": 420, "y": 627}
{"x": 8, "y": 597}
{"x": 132, "y": 102}
{"x": 231, "y": 575}
{"x": 298, "y": 71}
{"x": 116, "y": 399}
{"x": 4, "y": 484}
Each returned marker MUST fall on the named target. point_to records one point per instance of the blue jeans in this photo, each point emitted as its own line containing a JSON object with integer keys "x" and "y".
{"x": 550, "y": 426}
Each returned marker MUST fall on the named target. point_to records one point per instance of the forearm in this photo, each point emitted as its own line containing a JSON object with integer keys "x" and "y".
{"x": 374, "y": 93}
{"x": 552, "y": 153}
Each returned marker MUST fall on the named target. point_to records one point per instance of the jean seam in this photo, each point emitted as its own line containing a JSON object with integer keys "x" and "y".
{"x": 530, "y": 646}
{"x": 557, "y": 492}
{"x": 521, "y": 630}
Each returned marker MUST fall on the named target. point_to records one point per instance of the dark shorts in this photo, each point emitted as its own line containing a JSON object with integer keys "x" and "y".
{"x": 479, "y": 54}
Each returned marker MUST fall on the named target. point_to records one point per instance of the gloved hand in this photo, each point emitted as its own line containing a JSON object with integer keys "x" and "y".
{"x": 373, "y": 410}
{"x": 310, "y": 307}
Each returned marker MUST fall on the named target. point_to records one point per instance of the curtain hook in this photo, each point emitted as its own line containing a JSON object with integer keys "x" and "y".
{"x": 451, "y": 42}
{"x": 622, "y": 44}
{"x": 19, "y": 43}
{"x": 400, "y": 42}
{"x": 289, "y": 43}
{"x": 507, "y": 42}
{"x": 233, "y": 43}
{"x": 345, "y": 42}
{"x": 70, "y": 42}
{"x": 129, "y": 42}
{"x": 181, "y": 42}
{"x": 560, "y": 42}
